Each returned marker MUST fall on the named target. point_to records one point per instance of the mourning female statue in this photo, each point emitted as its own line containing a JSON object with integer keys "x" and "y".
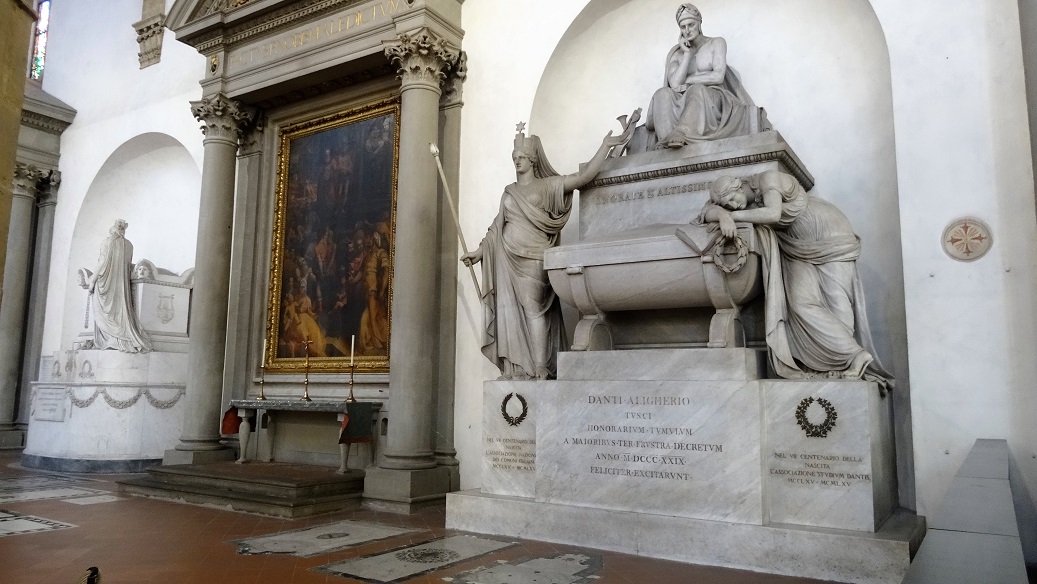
{"x": 115, "y": 324}
{"x": 523, "y": 319}
{"x": 701, "y": 97}
{"x": 815, "y": 315}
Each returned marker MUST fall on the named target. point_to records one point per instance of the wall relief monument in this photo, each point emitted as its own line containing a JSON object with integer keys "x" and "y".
{"x": 722, "y": 398}
{"x": 125, "y": 368}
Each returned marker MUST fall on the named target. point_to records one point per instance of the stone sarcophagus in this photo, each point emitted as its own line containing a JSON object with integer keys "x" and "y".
{"x": 664, "y": 267}
{"x": 644, "y": 274}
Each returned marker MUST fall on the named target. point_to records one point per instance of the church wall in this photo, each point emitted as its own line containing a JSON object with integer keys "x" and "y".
{"x": 961, "y": 147}
{"x": 93, "y": 66}
{"x": 959, "y": 135}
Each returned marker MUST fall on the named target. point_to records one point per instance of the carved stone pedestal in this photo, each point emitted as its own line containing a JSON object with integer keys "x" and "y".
{"x": 646, "y": 451}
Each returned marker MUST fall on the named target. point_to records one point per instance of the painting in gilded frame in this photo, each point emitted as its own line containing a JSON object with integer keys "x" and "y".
{"x": 333, "y": 241}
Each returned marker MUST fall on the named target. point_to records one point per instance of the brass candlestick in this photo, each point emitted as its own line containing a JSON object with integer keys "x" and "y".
{"x": 352, "y": 368}
{"x": 306, "y": 374}
{"x": 262, "y": 382}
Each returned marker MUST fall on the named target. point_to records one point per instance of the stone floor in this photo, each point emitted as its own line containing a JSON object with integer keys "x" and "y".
{"x": 54, "y": 526}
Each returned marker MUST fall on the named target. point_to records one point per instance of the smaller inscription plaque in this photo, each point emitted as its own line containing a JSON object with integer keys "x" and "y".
{"x": 49, "y": 405}
{"x": 509, "y": 437}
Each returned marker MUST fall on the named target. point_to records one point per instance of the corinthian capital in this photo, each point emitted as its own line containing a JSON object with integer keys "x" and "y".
{"x": 454, "y": 84}
{"x": 423, "y": 57}
{"x": 222, "y": 118}
{"x": 26, "y": 180}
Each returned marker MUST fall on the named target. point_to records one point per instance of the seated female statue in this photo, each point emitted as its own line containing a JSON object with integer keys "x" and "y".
{"x": 701, "y": 98}
{"x": 814, "y": 312}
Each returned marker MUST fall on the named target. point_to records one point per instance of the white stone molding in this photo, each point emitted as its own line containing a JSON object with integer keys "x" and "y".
{"x": 423, "y": 57}
{"x": 222, "y": 118}
{"x": 149, "y": 37}
{"x": 454, "y": 85}
{"x": 122, "y": 404}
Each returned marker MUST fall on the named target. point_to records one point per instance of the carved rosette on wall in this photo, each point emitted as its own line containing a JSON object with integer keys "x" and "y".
{"x": 223, "y": 118}
{"x": 967, "y": 239}
{"x": 423, "y": 58}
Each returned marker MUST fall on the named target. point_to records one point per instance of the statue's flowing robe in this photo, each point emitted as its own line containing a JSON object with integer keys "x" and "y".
{"x": 699, "y": 112}
{"x": 515, "y": 285}
{"x": 115, "y": 324}
{"x": 815, "y": 314}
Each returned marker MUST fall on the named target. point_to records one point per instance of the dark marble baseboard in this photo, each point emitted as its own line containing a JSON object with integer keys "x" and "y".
{"x": 88, "y": 466}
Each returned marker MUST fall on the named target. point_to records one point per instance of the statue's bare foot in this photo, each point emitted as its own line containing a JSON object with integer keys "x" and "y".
{"x": 858, "y": 365}
{"x": 542, "y": 372}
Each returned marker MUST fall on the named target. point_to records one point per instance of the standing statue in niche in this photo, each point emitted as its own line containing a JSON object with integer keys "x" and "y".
{"x": 701, "y": 97}
{"x": 115, "y": 323}
{"x": 523, "y": 329}
{"x": 814, "y": 312}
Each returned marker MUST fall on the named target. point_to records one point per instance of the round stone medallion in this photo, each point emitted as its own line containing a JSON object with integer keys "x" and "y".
{"x": 967, "y": 239}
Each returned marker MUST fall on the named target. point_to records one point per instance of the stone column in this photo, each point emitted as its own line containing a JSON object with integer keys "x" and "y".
{"x": 424, "y": 58}
{"x": 46, "y": 200}
{"x": 450, "y": 147}
{"x": 15, "y": 297}
{"x": 224, "y": 122}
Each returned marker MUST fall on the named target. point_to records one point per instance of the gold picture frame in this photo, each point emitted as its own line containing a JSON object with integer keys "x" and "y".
{"x": 333, "y": 245}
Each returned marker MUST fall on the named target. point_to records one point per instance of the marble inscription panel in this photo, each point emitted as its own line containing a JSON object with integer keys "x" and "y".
{"x": 50, "y": 404}
{"x": 509, "y": 437}
{"x": 820, "y": 465}
{"x": 687, "y": 449}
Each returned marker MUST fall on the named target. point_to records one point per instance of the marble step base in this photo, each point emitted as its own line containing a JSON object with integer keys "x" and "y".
{"x": 12, "y": 439}
{"x": 280, "y": 490}
{"x": 825, "y": 554}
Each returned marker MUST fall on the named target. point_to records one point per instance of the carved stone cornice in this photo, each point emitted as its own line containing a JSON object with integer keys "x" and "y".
{"x": 43, "y": 123}
{"x": 454, "y": 86}
{"x": 423, "y": 58}
{"x": 230, "y": 34}
{"x": 26, "y": 180}
{"x": 222, "y": 118}
{"x": 149, "y": 37}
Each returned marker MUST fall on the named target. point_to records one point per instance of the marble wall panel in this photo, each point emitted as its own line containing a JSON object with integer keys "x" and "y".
{"x": 687, "y": 449}
{"x": 509, "y": 443}
{"x": 843, "y": 479}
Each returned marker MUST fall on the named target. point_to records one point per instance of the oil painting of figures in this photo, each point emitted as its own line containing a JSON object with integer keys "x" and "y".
{"x": 332, "y": 264}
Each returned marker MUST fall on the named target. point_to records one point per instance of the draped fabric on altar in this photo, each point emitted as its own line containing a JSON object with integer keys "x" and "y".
{"x": 116, "y": 325}
{"x": 515, "y": 284}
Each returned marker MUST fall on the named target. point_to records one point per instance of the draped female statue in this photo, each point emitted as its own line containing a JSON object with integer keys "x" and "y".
{"x": 523, "y": 320}
{"x": 115, "y": 323}
{"x": 814, "y": 312}
{"x": 701, "y": 98}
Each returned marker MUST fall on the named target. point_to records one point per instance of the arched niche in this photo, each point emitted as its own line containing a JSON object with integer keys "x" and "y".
{"x": 153, "y": 183}
{"x": 820, "y": 68}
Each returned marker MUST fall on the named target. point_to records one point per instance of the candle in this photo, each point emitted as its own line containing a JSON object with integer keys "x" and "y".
{"x": 262, "y": 356}
{"x": 352, "y": 348}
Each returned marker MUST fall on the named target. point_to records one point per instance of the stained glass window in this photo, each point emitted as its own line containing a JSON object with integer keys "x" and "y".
{"x": 39, "y": 41}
